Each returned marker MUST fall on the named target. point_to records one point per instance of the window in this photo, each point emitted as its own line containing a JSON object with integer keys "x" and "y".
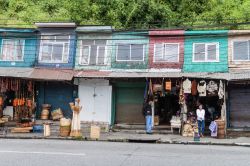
{"x": 54, "y": 49}
{"x": 241, "y": 51}
{"x": 130, "y": 52}
{"x": 206, "y": 52}
{"x": 166, "y": 52}
{"x": 12, "y": 50}
{"x": 93, "y": 52}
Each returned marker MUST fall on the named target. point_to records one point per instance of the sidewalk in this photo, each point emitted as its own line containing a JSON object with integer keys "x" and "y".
{"x": 138, "y": 137}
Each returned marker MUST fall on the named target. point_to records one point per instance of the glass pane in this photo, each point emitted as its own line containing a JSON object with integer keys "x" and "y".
{"x": 87, "y": 42}
{"x": 171, "y": 52}
{"x": 19, "y": 49}
{"x": 46, "y": 52}
{"x": 66, "y": 52}
{"x": 100, "y": 42}
{"x": 211, "y": 52}
{"x": 123, "y": 52}
{"x": 240, "y": 50}
{"x": 8, "y": 50}
{"x": 85, "y": 55}
{"x": 158, "y": 53}
{"x": 62, "y": 38}
{"x": 101, "y": 55}
{"x": 57, "y": 52}
{"x": 93, "y": 55}
{"x": 48, "y": 38}
{"x": 137, "y": 52}
{"x": 199, "y": 52}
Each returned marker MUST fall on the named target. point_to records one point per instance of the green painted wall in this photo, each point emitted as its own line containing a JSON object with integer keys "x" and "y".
{"x": 97, "y": 36}
{"x": 130, "y": 38}
{"x": 219, "y": 36}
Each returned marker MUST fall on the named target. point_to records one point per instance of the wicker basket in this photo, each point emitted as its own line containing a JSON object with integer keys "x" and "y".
{"x": 64, "y": 131}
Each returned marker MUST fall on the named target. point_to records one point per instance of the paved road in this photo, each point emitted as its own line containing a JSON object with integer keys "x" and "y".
{"x": 78, "y": 153}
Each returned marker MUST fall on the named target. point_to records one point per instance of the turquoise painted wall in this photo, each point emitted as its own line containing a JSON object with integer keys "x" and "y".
{"x": 129, "y": 38}
{"x": 192, "y": 37}
{"x": 30, "y": 50}
{"x": 97, "y": 36}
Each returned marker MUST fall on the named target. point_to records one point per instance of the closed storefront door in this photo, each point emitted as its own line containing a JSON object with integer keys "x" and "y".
{"x": 239, "y": 107}
{"x": 96, "y": 102}
{"x": 58, "y": 94}
{"x": 129, "y": 102}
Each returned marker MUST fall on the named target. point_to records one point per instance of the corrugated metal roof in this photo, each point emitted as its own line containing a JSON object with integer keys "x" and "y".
{"x": 239, "y": 74}
{"x": 55, "y": 25}
{"x": 52, "y": 74}
{"x": 15, "y": 72}
{"x": 110, "y": 74}
{"x": 18, "y": 30}
{"x": 94, "y": 29}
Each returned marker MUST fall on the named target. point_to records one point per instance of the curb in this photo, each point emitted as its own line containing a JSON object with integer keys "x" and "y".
{"x": 157, "y": 141}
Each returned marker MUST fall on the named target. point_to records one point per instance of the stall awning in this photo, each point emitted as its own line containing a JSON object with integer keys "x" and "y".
{"x": 110, "y": 74}
{"x": 17, "y": 72}
{"x": 239, "y": 75}
{"x": 52, "y": 74}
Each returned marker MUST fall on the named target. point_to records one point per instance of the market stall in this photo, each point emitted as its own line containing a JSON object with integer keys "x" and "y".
{"x": 176, "y": 101}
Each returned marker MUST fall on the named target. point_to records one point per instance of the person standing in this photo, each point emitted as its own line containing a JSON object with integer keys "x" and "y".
{"x": 147, "y": 112}
{"x": 200, "y": 112}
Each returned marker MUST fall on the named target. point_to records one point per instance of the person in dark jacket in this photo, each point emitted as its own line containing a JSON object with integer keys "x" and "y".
{"x": 147, "y": 112}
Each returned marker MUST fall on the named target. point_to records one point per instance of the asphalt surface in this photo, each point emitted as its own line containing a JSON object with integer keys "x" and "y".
{"x": 81, "y": 153}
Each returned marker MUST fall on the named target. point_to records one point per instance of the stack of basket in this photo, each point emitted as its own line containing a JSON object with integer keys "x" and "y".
{"x": 221, "y": 129}
{"x": 65, "y": 127}
{"x": 45, "y": 111}
{"x": 57, "y": 114}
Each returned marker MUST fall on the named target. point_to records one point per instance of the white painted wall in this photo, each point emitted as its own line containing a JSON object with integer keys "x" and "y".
{"x": 96, "y": 97}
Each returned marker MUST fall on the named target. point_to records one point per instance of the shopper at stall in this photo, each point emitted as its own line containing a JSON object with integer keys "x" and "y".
{"x": 200, "y": 112}
{"x": 147, "y": 112}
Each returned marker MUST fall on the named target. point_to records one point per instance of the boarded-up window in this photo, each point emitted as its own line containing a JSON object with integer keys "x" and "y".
{"x": 166, "y": 52}
{"x": 12, "y": 50}
{"x": 93, "y": 52}
{"x": 206, "y": 52}
{"x": 54, "y": 49}
{"x": 130, "y": 52}
{"x": 241, "y": 51}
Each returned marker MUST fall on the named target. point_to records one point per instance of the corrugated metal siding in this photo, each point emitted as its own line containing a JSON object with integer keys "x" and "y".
{"x": 129, "y": 102}
{"x": 97, "y": 36}
{"x": 130, "y": 38}
{"x": 30, "y": 50}
{"x": 166, "y": 37}
{"x": 205, "y": 37}
{"x": 239, "y": 107}
{"x": 237, "y": 35}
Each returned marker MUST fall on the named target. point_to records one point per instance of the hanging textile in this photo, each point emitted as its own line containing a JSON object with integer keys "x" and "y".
{"x": 187, "y": 86}
{"x": 181, "y": 96}
{"x": 221, "y": 90}
{"x": 168, "y": 85}
{"x": 212, "y": 88}
{"x": 194, "y": 88}
{"x": 202, "y": 88}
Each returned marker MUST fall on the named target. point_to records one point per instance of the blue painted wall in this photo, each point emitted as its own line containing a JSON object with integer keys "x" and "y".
{"x": 191, "y": 37}
{"x": 72, "y": 48}
{"x": 30, "y": 46}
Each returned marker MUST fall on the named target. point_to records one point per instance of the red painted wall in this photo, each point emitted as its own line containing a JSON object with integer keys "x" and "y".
{"x": 171, "y": 36}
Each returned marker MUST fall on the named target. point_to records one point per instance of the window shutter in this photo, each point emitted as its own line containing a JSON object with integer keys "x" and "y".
{"x": 240, "y": 50}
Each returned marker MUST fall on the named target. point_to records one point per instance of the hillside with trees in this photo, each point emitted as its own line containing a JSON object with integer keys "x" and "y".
{"x": 129, "y": 14}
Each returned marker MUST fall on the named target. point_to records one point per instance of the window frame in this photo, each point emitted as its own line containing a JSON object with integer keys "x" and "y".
{"x": 206, "y": 52}
{"x": 97, "y": 53}
{"x": 248, "y": 47}
{"x": 52, "y": 43}
{"x": 23, "y": 47}
{"x": 143, "y": 56}
{"x": 164, "y": 53}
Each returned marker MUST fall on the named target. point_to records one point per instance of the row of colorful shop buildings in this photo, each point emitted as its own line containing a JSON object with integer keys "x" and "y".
{"x": 108, "y": 69}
